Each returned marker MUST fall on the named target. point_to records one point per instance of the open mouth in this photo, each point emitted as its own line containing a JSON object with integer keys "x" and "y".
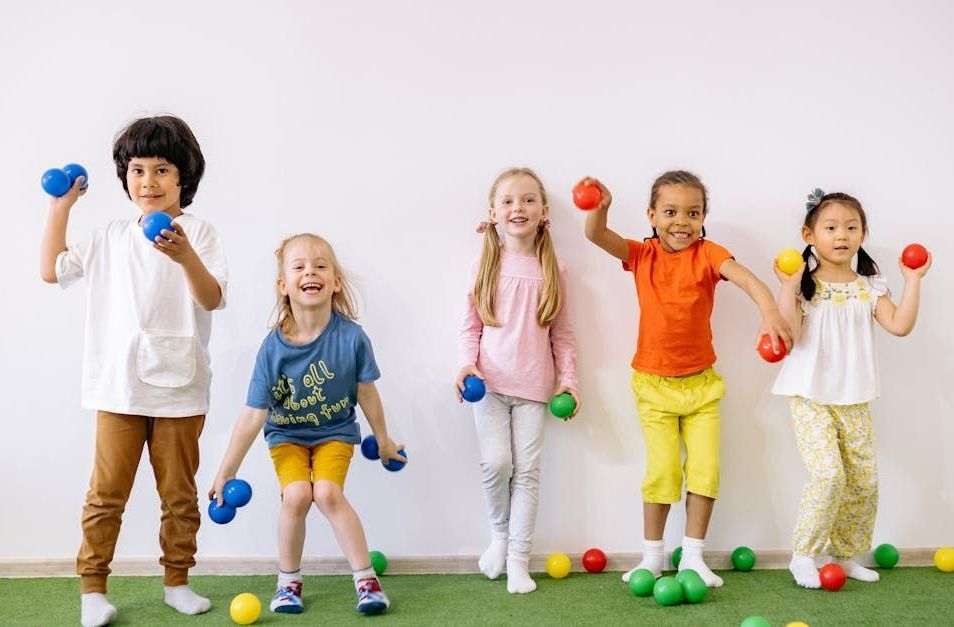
{"x": 680, "y": 235}
{"x": 518, "y": 220}
{"x": 311, "y": 288}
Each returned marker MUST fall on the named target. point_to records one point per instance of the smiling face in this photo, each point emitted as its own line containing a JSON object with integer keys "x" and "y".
{"x": 677, "y": 216}
{"x": 837, "y": 234}
{"x": 518, "y": 206}
{"x": 153, "y": 184}
{"x": 309, "y": 278}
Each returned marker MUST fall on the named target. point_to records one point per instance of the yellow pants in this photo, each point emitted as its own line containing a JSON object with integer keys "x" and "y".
{"x": 671, "y": 408}
{"x": 840, "y": 499}
{"x": 328, "y": 461}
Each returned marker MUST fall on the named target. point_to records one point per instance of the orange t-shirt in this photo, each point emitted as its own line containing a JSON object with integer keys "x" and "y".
{"x": 675, "y": 292}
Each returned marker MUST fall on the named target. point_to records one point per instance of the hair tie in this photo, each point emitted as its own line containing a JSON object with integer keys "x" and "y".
{"x": 814, "y": 199}
{"x": 486, "y": 224}
{"x": 545, "y": 224}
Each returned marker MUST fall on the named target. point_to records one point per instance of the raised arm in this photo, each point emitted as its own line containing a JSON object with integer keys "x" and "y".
{"x": 596, "y": 229}
{"x": 900, "y": 320}
{"x": 54, "y": 233}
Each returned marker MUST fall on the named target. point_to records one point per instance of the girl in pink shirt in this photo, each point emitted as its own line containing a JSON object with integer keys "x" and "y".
{"x": 517, "y": 337}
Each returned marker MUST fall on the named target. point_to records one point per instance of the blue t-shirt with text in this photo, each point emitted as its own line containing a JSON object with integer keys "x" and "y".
{"x": 311, "y": 390}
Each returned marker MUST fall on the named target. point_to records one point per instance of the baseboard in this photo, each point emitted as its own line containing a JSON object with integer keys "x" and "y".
{"x": 397, "y": 565}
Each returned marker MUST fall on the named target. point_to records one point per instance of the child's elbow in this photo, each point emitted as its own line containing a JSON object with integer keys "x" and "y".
{"x": 48, "y": 275}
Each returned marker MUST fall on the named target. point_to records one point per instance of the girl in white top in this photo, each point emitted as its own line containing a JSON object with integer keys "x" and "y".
{"x": 831, "y": 376}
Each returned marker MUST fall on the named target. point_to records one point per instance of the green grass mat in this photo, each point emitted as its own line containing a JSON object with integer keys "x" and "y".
{"x": 903, "y": 597}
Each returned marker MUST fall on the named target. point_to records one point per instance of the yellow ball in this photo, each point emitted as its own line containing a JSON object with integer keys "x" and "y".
{"x": 245, "y": 608}
{"x": 944, "y": 559}
{"x": 796, "y": 623}
{"x": 558, "y": 565}
{"x": 789, "y": 260}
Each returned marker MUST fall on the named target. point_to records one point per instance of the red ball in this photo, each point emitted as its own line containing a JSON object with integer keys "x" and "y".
{"x": 768, "y": 353}
{"x": 587, "y": 197}
{"x": 914, "y": 256}
{"x": 832, "y": 577}
{"x": 594, "y": 560}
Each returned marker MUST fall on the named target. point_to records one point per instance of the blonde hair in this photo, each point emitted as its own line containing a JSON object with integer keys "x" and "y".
{"x": 342, "y": 301}
{"x": 485, "y": 286}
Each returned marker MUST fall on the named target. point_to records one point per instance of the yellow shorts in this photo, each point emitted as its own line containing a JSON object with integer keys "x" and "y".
{"x": 327, "y": 461}
{"x": 674, "y": 407}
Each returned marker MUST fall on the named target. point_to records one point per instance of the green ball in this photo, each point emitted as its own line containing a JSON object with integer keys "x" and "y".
{"x": 886, "y": 556}
{"x": 743, "y": 558}
{"x": 694, "y": 589}
{"x": 667, "y": 591}
{"x": 562, "y": 405}
{"x": 676, "y": 557}
{"x": 641, "y": 582}
{"x": 378, "y": 562}
{"x": 755, "y": 621}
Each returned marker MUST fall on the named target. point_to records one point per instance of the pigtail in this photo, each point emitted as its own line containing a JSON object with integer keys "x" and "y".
{"x": 808, "y": 281}
{"x": 867, "y": 265}
{"x": 485, "y": 286}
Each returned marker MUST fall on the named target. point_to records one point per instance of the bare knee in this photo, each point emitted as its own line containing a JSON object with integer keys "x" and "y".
{"x": 329, "y": 497}
{"x": 296, "y": 498}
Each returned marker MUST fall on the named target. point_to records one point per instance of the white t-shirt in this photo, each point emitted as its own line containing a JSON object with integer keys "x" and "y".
{"x": 834, "y": 361}
{"x": 146, "y": 341}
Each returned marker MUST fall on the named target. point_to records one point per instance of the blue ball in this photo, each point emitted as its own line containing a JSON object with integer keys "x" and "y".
{"x": 394, "y": 465}
{"x": 237, "y": 493}
{"x": 154, "y": 223}
{"x": 74, "y": 171}
{"x": 369, "y": 447}
{"x": 221, "y": 515}
{"x": 474, "y": 389}
{"x": 56, "y": 182}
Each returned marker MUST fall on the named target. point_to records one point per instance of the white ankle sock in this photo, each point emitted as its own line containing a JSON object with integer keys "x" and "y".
{"x": 185, "y": 601}
{"x": 95, "y": 609}
{"x": 518, "y": 576}
{"x": 692, "y": 560}
{"x": 854, "y": 570}
{"x": 653, "y": 559}
{"x": 494, "y": 559}
{"x": 803, "y": 569}
{"x": 286, "y": 578}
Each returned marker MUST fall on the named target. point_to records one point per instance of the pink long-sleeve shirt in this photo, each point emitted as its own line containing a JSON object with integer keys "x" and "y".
{"x": 520, "y": 358}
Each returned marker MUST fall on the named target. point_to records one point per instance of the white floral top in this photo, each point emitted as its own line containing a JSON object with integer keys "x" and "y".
{"x": 834, "y": 361}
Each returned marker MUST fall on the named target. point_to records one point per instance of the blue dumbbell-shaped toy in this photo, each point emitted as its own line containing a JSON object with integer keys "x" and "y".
{"x": 58, "y": 181}
{"x": 369, "y": 448}
{"x": 221, "y": 514}
{"x": 154, "y": 223}
{"x": 236, "y": 493}
{"x": 474, "y": 389}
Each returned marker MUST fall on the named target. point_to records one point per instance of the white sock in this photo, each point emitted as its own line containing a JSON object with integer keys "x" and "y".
{"x": 692, "y": 560}
{"x": 653, "y": 559}
{"x": 854, "y": 570}
{"x": 95, "y": 609}
{"x": 183, "y": 600}
{"x": 803, "y": 569}
{"x": 286, "y": 578}
{"x": 518, "y": 576}
{"x": 494, "y": 559}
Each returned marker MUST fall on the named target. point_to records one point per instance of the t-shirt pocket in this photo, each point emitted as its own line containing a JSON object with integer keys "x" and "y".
{"x": 165, "y": 359}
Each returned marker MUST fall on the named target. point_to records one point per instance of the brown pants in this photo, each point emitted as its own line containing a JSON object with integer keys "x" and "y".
{"x": 174, "y": 455}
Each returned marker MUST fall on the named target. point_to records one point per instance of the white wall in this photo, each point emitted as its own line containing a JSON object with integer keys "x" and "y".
{"x": 381, "y": 126}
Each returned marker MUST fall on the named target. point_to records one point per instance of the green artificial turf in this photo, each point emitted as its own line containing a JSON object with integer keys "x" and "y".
{"x": 904, "y": 596}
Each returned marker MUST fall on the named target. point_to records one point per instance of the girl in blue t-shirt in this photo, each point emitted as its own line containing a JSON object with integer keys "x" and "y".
{"x": 311, "y": 369}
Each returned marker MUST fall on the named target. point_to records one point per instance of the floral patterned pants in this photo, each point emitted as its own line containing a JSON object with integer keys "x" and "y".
{"x": 840, "y": 499}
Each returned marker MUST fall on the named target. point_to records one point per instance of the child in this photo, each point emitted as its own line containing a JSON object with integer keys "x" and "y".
{"x": 831, "y": 376}
{"x": 310, "y": 370}
{"x": 677, "y": 390}
{"x": 146, "y": 362}
{"x": 518, "y": 337}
